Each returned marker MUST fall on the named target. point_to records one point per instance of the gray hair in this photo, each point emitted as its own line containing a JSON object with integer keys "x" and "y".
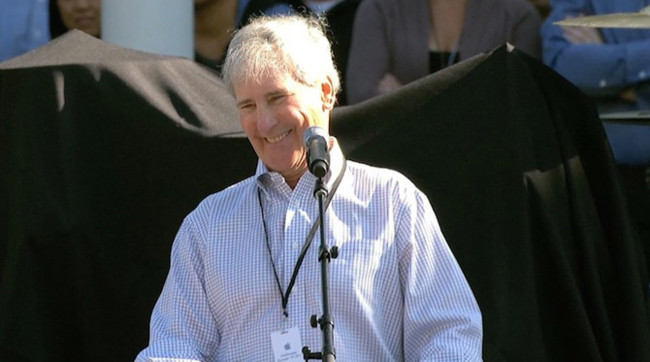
{"x": 291, "y": 45}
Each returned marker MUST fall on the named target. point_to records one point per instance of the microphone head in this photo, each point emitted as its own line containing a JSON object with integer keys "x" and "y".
{"x": 314, "y": 131}
{"x": 316, "y": 142}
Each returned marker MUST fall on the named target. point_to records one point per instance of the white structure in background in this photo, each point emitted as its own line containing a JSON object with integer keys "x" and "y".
{"x": 154, "y": 26}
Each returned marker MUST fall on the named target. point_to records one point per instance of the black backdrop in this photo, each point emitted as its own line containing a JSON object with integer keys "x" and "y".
{"x": 104, "y": 150}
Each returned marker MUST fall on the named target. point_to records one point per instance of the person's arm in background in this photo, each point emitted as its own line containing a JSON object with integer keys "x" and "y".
{"x": 525, "y": 35}
{"x": 369, "y": 58}
{"x": 597, "y": 68}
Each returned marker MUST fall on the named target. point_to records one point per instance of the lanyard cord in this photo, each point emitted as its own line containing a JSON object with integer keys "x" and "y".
{"x": 305, "y": 247}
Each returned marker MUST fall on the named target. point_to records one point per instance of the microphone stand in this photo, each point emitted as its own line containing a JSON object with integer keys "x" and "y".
{"x": 326, "y": 321}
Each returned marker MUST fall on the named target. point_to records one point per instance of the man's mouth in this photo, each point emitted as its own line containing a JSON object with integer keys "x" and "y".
{"x": 278, "y": 138}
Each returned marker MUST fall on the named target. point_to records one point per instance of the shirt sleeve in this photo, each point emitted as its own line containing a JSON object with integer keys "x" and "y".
{"x": 597, "y": 69}
{"x": 442, "y": 320}
{"x": 182, "y": 326}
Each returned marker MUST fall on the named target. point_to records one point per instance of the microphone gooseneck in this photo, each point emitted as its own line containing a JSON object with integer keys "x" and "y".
{"x": 316, "y": 141}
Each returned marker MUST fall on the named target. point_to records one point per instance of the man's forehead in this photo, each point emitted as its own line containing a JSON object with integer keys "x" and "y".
{"x": 264, "y": 85}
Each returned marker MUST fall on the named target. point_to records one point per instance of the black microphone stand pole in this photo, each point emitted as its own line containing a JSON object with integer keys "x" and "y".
{"x": 326, "y": 321}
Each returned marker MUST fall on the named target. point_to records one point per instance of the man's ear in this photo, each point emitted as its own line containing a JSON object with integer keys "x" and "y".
{"x": 327, "y": 94}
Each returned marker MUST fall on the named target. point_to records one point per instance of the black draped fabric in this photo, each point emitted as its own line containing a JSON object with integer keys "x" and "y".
{"x": 104, "y": 150}
{"x": 520, "y": 173}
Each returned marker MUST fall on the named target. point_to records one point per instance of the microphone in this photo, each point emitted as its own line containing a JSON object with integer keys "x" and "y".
{"x": 316, "y": 140}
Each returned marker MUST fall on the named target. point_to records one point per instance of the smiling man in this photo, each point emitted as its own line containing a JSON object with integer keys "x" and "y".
{"x": 236, "y": 289}
{"x": 275, "y": 112}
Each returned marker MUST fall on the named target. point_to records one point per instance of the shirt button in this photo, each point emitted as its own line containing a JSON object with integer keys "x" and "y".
{"x": 296, "y": 246}
{"x": 642, "y": 74}
{"x": 603, "y": 83}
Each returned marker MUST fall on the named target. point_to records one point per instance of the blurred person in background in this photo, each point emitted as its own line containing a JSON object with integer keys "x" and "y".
{"x": 543, "y": 6}
{"x": 215, "y": 22}
{"x": 23, "y": 26}
{"x": 84, "y": 15}
{"x": 612, "y": 65}
{"x": 396, "y": 42}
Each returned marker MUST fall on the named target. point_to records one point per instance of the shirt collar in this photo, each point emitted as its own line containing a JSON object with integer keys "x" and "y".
{"x": 266, "y": 178}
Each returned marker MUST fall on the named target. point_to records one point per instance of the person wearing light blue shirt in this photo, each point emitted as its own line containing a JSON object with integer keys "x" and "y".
{"x": 236, "y": 289}
{"x": 611, "y": 65}
{"x": 23, "y": 26}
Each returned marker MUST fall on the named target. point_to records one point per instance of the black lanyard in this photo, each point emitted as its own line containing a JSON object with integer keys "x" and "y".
{"x": 305, "y": 246}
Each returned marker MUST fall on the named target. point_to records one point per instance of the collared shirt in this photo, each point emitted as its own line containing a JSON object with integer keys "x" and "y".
{"x": 396, "y": 291}
{"x": 23, "y": 26}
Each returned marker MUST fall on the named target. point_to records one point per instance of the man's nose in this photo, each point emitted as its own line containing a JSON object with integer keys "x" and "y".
{"x": 266, "y": 120}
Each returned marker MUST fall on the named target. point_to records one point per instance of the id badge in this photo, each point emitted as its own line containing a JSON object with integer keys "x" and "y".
{"x": 287, "y": 346}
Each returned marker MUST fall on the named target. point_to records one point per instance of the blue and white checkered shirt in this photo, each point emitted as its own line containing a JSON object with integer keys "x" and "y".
{"x": 396, "y": 291}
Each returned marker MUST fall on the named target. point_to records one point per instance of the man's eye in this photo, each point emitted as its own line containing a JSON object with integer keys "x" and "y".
{"x": 277, "y": 98}
{"x": 246, "y": 106}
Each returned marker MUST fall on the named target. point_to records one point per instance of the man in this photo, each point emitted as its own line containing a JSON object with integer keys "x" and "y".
{"x": 396, "y": 291}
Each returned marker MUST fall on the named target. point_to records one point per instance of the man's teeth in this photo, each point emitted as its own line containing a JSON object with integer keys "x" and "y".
{"x": 278, "y": 138}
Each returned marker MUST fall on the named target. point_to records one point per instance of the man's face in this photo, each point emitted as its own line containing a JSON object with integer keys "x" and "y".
{"x": 275, "y": 113}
